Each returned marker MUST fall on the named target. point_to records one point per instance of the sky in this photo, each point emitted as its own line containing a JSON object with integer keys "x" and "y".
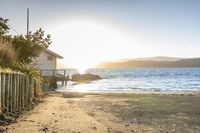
{"x": 85, "y": 32}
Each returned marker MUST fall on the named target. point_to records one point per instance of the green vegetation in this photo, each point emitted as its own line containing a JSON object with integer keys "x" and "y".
{"x": 4, "y": 28}
{"x": 8, "y": 55}
{"x": 31, "y": 46}
{"x": 7, "y": 71}
{"x": 17, "y": 52}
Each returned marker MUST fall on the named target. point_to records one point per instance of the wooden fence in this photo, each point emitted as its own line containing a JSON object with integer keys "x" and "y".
{"x": 16, "y": 92}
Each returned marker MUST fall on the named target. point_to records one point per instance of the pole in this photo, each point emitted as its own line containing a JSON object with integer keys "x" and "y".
{"x": 27, "y": 21}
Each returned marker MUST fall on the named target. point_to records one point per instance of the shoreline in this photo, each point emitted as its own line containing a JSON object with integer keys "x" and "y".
{"x": 111, "y": 113}
{"x": 133, "y": 92}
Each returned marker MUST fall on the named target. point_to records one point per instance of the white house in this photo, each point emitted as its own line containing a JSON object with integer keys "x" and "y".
{"x": 47, "y": 62}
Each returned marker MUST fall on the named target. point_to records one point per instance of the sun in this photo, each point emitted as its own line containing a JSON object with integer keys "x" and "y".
{"x": 81, "y": 70}
{"x": 84, "y": 42}
{"x": 81, "y": 65}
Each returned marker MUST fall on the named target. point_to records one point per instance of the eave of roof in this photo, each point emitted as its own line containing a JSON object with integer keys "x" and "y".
{"x": 53, "y": 53}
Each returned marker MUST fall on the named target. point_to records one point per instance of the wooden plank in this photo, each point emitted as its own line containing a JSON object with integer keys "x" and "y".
{"x": 14, "y": 91}
{"x": 32, "y": 89}
{"x": 23, "y": 91}
{"x": 27, "y": 88}
{"x": 0, "y": 94}
{"x": 3, "y": 91}
{"x": 20, "y": 88}
{"x": 10, "y": 93}
{"x": 17, "y": 91}
{"x": 7, "y": 92}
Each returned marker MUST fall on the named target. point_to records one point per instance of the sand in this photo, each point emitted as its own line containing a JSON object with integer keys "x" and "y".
{"x": 111, "y": 113}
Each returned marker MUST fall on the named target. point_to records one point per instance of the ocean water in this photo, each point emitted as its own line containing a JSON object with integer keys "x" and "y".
{"x": 140, "y": 80}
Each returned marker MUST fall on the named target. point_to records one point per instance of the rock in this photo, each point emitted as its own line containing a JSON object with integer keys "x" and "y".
{"x": 31, "y": 120}
{"x": 44, "y": 129}
{"x": 94, "y": 128}
{"x": 85, "y": 77}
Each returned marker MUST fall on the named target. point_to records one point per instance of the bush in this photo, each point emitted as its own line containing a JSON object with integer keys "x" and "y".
{"x": 35, "y": 73}
{"x": 8, "y": 55}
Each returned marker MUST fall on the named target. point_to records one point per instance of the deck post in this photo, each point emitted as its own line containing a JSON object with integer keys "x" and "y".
{"x": 64, "y": 73}
{"x": 53, "y": 72}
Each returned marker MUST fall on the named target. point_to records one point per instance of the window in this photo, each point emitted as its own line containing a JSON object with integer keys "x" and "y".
{"x": 50, "y": 58}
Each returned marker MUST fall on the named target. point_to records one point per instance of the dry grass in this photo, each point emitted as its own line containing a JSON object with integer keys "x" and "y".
{"x": 8, "y": 55}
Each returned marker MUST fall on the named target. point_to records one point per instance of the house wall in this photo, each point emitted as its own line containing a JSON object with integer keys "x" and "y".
{"x": 44, "y": 63}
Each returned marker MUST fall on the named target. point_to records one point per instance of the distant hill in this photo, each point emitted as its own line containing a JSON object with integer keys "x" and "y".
{"x": 193, "y": 62}
{"x": 160, "y": 58}
{"x": 157, "y": 58}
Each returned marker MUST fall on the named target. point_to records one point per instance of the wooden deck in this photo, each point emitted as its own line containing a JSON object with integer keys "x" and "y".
{"x": 54, "y": 76}
{"x": 53, "y": 72}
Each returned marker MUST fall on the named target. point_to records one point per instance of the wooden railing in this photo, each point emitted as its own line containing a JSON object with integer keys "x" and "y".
{"x": 53, "y": 72}
{"x": 16, "y": 92}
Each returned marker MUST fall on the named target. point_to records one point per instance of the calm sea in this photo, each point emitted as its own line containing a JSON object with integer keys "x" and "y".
{"x": 140, "y": 80}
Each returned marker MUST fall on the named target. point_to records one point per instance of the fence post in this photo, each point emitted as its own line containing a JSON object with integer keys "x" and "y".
{"x": 23, "y": 91}
{"x": 27, "y": 89}
{"x": 7, "y": 92}
{"x": 10, "y": 95}
{"x": 20, "y": 95}
{"x": 0, "y": 94}
{"x": 14, "y": 91}
{"x": 17, "y": 92}
{"x": 32, "y": 90}
{"x": 3, "y": 91}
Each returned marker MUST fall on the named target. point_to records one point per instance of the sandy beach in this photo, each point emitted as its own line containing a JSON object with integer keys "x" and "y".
{"x": 111, "y": 113}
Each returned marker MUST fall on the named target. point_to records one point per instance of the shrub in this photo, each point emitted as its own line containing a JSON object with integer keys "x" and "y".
{"x": 8, "y": 55}
{"x": 35, "y": 73}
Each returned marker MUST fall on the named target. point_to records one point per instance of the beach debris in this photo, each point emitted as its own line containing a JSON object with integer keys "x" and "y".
{"x": 31, "y": 120}
{"x": 2, "y": 130}
{"x": 109, "y": 129}
{"x": 6, "y": 120}
{"x": 73, "y": 95}
{"x": 132, "y": 131}
{"x": 44, "y": 129}
{"x": 127, "y": 125}
{"x": 94, "y": 128}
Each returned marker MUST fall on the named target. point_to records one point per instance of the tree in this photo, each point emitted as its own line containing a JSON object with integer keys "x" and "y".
{"x": 27, "y": 47}
{"x": 31, "y": 46}
{"x": 4, "y": 28}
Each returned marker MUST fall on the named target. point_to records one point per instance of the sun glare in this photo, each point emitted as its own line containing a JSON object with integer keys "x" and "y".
{"x": 81, "y": 70}
{"x": 87, "y": 42}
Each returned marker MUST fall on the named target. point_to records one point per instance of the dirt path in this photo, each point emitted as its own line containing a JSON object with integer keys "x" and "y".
{"x": 111, "y": 113}
{"x": 64, "y": 115}
{"x": 57, "y": 115}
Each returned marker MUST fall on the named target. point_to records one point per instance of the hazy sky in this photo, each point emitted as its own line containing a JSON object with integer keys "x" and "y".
{"x": 88, "y": 31}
